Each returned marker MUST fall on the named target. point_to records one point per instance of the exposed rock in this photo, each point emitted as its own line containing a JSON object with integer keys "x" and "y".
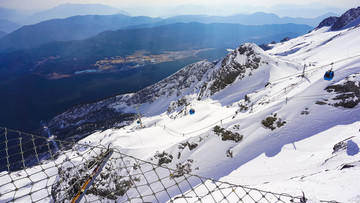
{"x": 350, "y": 165}
{"x": 227, "y": 134}
{"x": 85, "y": 119}
{"x": 265, "y": 47}
{"x": 339, "y": 147}
{"x": 285, "y": 39}
{"x": 175, "y": 84}
{"x": 346, "y": 166}
{"x": 327, "y": 22}
{"x": 164, "y": 158}
{"x": 182, "y": 169}
{"x": 346, "y": 18}
{"x": 235, "y": 65}
{"x": 305, "y": 112}
{"x": 272, "y": 122}
{"x": 338, "y": 23}
{"x": 348, "y": 93}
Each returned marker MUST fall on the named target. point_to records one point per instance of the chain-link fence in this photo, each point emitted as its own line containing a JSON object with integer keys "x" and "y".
{"x": 38, "y": 169}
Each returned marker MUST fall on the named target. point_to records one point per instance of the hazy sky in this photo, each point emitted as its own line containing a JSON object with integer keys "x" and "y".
{"x": 166, "y": 8}
{"x": 42, "y": 4}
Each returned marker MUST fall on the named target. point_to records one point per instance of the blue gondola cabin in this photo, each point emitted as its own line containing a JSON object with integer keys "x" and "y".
{"x": 192, "y": 111}
{"x": 329, "y": 75}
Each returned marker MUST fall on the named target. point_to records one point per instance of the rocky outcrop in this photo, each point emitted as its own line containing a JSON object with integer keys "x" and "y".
{"x": 327, "y": 22}
{"x": 338, "y": 23}
{"x": 346, "y": 18}
{"x": 347, "y": 93}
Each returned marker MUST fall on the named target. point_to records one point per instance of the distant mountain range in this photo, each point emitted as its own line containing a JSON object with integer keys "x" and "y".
{"x": 8, "y": 14}
{"x": 81, "y": 27}
{"x": 68, "y": 10}
{"x": 72, "y": 28}
{"x": 27, "y": 17}
{"x": 306, "y": 11}
{"x": 16, "y": 15}
{"x": 60, "y": 57}
{"x": 8, "y": 26}
{"x": 2, "y": 34}
{"x": 290, "y": 10}
{"x": 259, "y": 18}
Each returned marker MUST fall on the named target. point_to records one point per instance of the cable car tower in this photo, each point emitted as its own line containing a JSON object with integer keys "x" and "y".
{"x": 303, "y": 73}
{"x": 139, "y": 116}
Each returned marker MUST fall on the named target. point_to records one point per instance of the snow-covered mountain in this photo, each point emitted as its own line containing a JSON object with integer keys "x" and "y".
{"x": 349, "y": 19}
{"x": 200, "y": 81}
{"x": 267, "y": 120}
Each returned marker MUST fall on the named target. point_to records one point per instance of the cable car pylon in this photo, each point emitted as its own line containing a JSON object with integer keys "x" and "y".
{"x": 139, "y": 116}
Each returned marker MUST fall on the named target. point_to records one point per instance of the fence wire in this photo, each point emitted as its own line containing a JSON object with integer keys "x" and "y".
{"x": 38, "y": 169}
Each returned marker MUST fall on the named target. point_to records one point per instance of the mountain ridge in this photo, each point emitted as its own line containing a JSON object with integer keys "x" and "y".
{"x": 173, "y": 37}
{"x": 81, "y": 27}
{"x": 349, "y": 19}
{"x": 72, "y": 28}
{"x": 8, "y": 26}
{"x": 2, "y": 34}
{"x": 267, "y": 120}
{"x": 257, "y": 18}
{"x": 69, "y": 10}
{"x": 203, "y": 78}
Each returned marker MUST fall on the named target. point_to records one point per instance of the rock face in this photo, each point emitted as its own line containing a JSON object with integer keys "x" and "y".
{"x": 346, "y": 18}
{"x": 181, "y": 83}
{"x": 347, "y": 93}
{"x": 338, "y": 23}
{"x": 327, "y": 22}
{"x": 285, "y": 39}
{"x": 202, "y": 79}
{"x": 83, "y": 120}
{"x": 234, "y": 66}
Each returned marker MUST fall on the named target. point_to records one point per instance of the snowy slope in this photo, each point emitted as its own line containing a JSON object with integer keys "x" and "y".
{"x": 310, "y": 165}
{"x": 257, "y": 122}
{"x": 299, "y": 152}
{"x": 293, "y": 158}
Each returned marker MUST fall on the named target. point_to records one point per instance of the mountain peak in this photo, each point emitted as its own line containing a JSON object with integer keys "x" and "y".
{"x": 348, "y": 19}
{"x": 237, "y": 65}
{"x": 329, "y": 21}
{"x": 345, "y": 19}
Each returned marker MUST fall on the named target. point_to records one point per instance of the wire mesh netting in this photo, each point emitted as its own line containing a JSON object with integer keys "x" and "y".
{"x": 39, "y": 169}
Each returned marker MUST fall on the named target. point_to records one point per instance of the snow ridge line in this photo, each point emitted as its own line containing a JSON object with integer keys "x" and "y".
{"x": 138, "y": 180}
{"x": 274, "y": 97}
